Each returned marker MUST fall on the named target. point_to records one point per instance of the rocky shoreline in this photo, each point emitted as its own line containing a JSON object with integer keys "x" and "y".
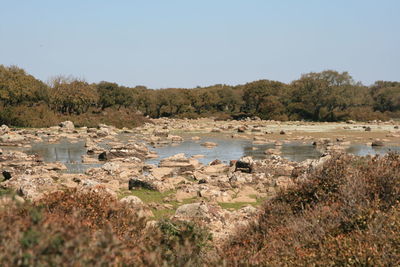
{"x": 221, "y": 196}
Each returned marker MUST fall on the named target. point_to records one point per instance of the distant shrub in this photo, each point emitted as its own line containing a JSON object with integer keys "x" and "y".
{"x": 364, "y": 114}
{"x": 123, "y": 117}
{"x": 38, "y": 115}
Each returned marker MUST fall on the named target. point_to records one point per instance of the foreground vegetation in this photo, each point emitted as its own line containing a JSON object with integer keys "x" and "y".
{"x": 324, "y": 96}
{"x": 346, "y": 213}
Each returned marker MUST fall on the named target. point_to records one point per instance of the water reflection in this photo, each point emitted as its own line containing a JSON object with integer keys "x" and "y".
{"x": 226, "y": 150}
{"x": 363, "y": 150}
{"x": 291, "y": 151}
{"x": 66, "y": 152}
{"x": 70, "y": 153}
{"x": 232, "y": 149}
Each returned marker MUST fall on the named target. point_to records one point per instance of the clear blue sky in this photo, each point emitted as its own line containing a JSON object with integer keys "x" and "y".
{"x": 185, "y": 43}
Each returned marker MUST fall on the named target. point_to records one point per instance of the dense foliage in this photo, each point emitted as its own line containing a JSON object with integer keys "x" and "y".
{"x": 324, "y": 96}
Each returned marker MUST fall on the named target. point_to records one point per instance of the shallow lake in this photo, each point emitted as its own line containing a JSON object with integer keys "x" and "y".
{"x": 67, "y": 152}
{"x": 70, "y": 153}
{"x": 233, "y": 149}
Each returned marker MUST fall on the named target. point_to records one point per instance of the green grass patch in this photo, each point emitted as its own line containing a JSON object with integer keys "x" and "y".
{"x": 150, "y": 196}
{"x": 239, "y": 205}
{"x": 162, "y": 214}
{"x": 234, "y": 206}
{"x": 147, "y": 196}
{"x": 166, "y": 213}
{"x": 4, "y": 192}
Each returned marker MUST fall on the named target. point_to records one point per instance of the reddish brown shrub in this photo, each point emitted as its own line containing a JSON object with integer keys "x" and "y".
{"x": 345, "y": 214}
{"x": 91, "y": 228}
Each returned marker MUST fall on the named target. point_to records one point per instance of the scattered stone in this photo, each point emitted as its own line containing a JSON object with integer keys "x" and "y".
{"x": 278, "y": 143}
{"x": 243, "y": 166}
{"x": 215, "y": 162}
{"x": 4, "y": 129}
{"x": 272, "y": 151}
{"x": 161, "y": 132}
{"x": 377, "y": 143}
{"x": 209, "y": 144}
{"x": 175, "y": 138}
{"x": 11, "y": 138}
{"x": 180, "y": 161}
{"x": 7, "y": 175}
{"x": 67, "y": 125}
{"x": 136, "y": 183}
{"x": 111, "y": 167}
{"x": 103, "y": 156}
{"x": 160, "y": 173}
{"x": 241, "y": 129}
{"x": 132, "y": 200}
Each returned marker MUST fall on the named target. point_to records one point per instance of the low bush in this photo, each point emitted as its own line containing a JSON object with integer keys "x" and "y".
{"x": 345, "y": 214}
{"x": 74, "y": 228}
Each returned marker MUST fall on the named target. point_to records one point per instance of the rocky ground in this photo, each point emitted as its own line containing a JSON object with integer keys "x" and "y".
{"x": 222, "y": 196}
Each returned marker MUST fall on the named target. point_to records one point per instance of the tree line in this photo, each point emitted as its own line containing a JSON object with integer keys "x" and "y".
{"x": 324, "y": 96}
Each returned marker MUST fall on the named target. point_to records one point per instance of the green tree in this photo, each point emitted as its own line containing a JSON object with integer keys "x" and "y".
{"x": 386, "y": 96}
{"x": 17, "y": 87}
{"x": 72, "y": 96}
{"x": 264, "y": 98}
{"x": 322, "y": 96}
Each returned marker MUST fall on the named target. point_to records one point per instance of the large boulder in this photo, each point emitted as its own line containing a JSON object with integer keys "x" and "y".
{"x": 67, "y": 125}
{"x": 129, "y": 150}
{"x": 161, "y": 132}
{"x": 244, "y": 164}
{"x": 31, "y": 187}
{"x": 160, "y": 173}
{"x": 132, "y": 200}
{"x": 11, "y": 138}
{"x": 4, "y": 129}
{"x": 139, "y": 183}
{"x": 180, "y": 161}
{"x": 201, "y": 210}
{"x": 377, "y": 143}
{"x": 111, "y": 167}
{"x": 215, "y": 169}
{"x": 209, "y": 144}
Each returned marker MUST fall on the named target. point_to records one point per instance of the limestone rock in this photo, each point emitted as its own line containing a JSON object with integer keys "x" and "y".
{"x": 209, "y": 144}
{"x": 67, "y": 125}
{"x": 11, "y": 138}
{"x": 4, "y": 129}
{"x": 377, "y": 143}
{"x": 132, "y": 200}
